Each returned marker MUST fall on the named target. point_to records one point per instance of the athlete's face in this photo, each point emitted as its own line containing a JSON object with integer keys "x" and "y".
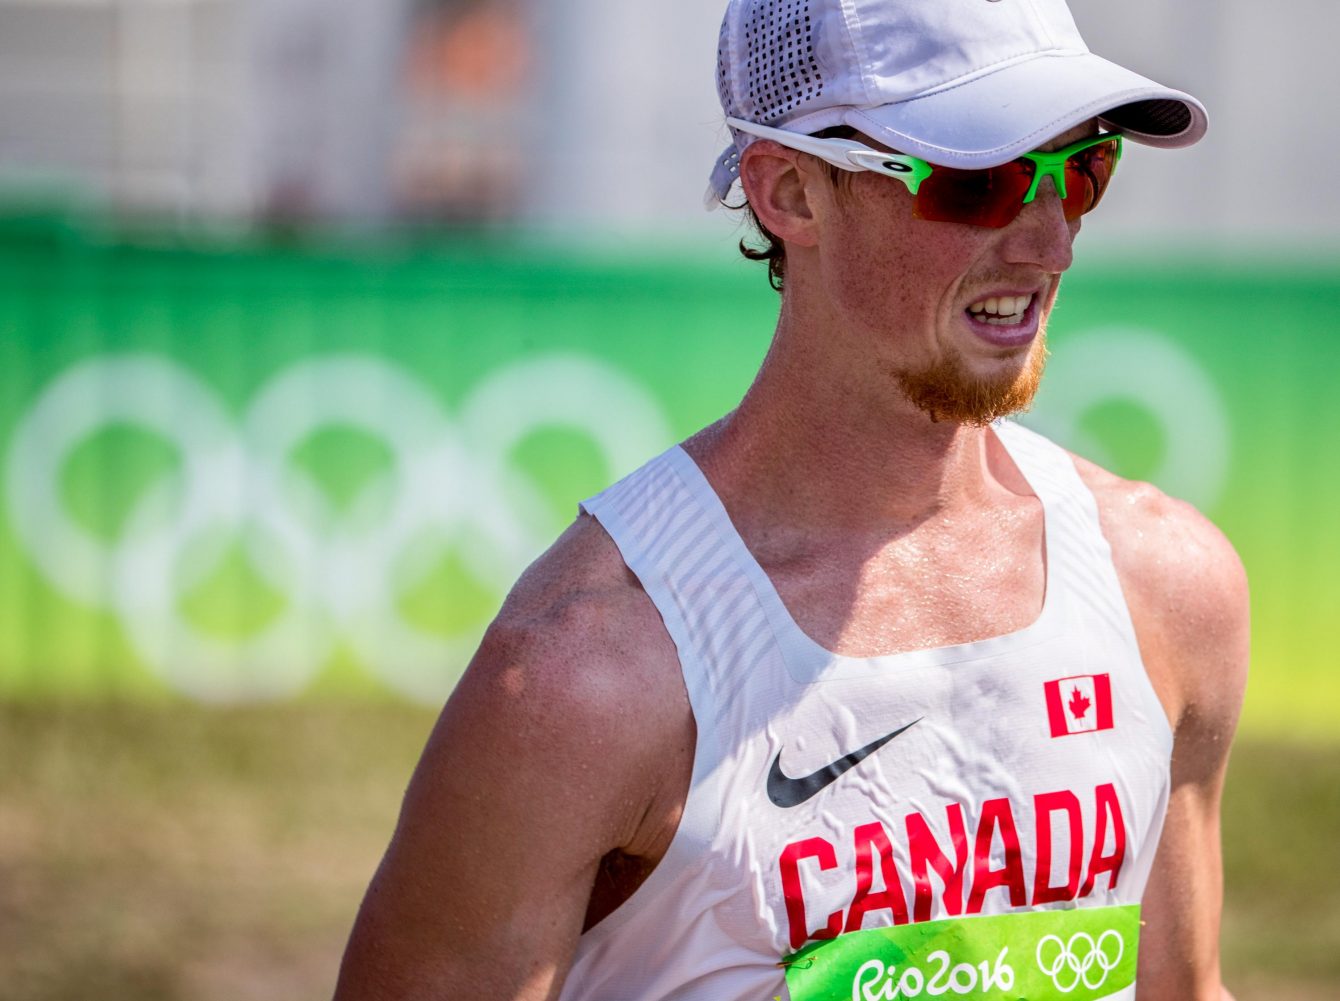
{"x": 954, "y": 313}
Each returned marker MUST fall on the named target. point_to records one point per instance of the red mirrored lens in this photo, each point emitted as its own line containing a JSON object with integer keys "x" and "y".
{"x": 1087, "y": 174}
{"x": 995, "y": 196}
{"x": 991, "y": 197}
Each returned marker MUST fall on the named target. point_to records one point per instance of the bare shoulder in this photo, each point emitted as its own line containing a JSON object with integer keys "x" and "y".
{"x": 1168, "y": 550}
{"x": 579, "y": 658}
{"x": 578, "y": 617}
{"x": 1187, "y": 592}
{"x": 549, "y": 756}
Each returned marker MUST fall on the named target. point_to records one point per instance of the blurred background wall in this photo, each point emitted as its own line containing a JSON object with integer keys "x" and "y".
{"x": 570, "y": 113}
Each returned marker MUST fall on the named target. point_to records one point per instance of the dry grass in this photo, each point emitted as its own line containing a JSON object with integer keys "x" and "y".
{"x": 183, "y": 853}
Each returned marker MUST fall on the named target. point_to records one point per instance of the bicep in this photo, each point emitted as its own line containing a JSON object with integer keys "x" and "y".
{"x": 483, "y": 890}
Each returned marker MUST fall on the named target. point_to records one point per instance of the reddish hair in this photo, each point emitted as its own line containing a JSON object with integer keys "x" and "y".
{"x": 773, "y": 250}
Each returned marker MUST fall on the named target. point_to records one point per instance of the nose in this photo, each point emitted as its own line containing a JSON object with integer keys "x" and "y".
{"x": 1041, "y": 235}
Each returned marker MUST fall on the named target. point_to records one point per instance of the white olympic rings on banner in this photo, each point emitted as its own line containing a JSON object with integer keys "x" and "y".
{"x": 1072, "y": 961}
{"x": 451, "y": 485}
{"x": 1157, "y": 375}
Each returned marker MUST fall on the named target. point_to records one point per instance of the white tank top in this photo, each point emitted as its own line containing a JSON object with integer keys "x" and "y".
{"x": 974, "y": 821}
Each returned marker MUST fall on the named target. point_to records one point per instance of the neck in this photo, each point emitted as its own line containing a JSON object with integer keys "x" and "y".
{"x": 826, "y": 450}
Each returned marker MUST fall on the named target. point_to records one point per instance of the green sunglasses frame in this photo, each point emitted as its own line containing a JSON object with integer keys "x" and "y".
{"x": 847, "y": 154}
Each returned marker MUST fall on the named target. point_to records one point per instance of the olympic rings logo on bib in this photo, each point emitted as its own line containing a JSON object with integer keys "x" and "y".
{"x": 341, "y": 573}
{"x": 1081, "y": 959}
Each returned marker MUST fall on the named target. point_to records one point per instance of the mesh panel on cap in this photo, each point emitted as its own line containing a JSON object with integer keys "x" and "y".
{"x": 1156, "y": 118}
{"x": 780, "y": 71}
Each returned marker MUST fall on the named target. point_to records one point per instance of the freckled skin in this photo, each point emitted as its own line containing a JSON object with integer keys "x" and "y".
{"x": 909, "y": 291}
{"x": 894, "y": 288}
{"x": 556, "y": 776}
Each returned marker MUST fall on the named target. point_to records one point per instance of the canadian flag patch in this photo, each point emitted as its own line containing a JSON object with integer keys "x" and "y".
{"x": 1081, "y": 704}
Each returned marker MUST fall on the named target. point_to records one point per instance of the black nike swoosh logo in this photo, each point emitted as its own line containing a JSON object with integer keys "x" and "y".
{"x": 787, "y": 792}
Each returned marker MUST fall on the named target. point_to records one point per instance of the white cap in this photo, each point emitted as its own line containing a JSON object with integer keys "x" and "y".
{"x": 959, "y": 83}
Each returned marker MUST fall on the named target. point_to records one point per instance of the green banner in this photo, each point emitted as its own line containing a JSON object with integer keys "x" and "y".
{"x": 1079, "y": 954}
{"x": 261, "y": 473}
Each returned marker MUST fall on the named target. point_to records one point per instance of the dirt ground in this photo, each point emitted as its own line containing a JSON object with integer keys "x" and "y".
{"x": 185, "y": 854}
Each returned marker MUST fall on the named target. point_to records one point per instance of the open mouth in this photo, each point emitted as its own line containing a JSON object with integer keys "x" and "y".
{"x": 1003, "y": 310}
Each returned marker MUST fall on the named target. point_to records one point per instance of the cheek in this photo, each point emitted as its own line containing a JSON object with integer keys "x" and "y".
{"x": 883, "y": 264}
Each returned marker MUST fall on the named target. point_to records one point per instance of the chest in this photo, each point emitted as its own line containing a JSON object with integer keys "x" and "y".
{"x": 990, "y": 779}
{"x": 927, "y": 589}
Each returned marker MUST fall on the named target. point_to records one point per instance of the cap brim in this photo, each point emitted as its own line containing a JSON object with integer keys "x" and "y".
{"x": 994, "y": 118}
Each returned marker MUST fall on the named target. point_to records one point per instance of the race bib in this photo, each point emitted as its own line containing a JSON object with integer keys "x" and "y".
{"x": 1081, "y": 954}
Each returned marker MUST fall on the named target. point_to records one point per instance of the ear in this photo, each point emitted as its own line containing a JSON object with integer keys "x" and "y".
{"x": 780, "y": 185}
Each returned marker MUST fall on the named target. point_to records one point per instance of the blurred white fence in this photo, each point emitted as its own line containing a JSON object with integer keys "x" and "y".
{"x": 246, "y": 108}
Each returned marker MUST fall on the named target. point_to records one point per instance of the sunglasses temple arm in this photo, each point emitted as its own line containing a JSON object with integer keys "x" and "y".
{"x": 832, "y": 151}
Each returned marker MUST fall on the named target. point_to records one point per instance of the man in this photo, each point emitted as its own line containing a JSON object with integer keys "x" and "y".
{"x": 860, "y": 692}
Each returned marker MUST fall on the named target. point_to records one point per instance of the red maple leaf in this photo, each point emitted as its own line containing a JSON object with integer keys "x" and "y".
{"x": 1079, "y": 705}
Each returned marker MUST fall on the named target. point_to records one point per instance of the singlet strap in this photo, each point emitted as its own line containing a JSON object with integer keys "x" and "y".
{"x": 1079, "y": 554}
{"x": 675, "y": 536}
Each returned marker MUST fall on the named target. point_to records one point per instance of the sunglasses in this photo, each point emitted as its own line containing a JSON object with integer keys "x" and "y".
{"x": 992, "y": 196}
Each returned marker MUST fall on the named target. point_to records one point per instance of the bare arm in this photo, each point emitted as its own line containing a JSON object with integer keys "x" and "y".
{"x": 540, "y": 764}
{"x": 1187, "y": 592}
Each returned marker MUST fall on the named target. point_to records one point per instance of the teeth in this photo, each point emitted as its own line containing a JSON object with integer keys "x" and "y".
{"x": 1001, "y": 310}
